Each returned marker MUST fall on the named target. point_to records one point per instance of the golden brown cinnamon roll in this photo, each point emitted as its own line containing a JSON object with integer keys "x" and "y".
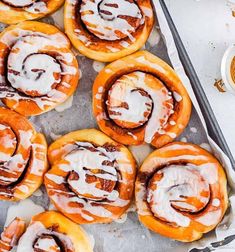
{"x": 139, "y": 99}
{"x": 106, "y": 30}
{"x": 23, "y": 156}
{"x": 52, "y": 232}
{"x": 11, "y": 235}
{"x": 92, "y": 177}
{"x": 38, "y": 71}
{"x": 181, "y": 192}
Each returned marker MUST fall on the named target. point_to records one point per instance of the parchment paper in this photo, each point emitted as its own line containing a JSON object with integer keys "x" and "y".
{"x": 129, "y": 236}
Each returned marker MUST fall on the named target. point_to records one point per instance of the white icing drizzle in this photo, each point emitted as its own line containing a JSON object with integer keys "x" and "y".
{"x": 33, "y": 70}
{"x": 66, "y": 105}
{"x": 82, "y": 160}
{"x": 46, "y": 244}
{"x": 105, "y": 18}
{"x": 37, "y": 7}
{"x": 210, "y": 218}
{"x": 177, "y": 96}
{"x": 33, "y": 160}
{"x": 216, "y": 202}
{"x": 14, "y": 163}
{"x": 38, "y": 69}
{"x": 176, "y": 185}
{"x": 184, "y": 140}
{"x": 31, "y": 6}
{"x": 98, "y": 66}
{"x": 25, "y": 209}
{"x": 25, "y": 138}
{"x": 123, "y": 93}
{"x": 36, "y": 230}
{"x": 177, "y": 182}
{"x": 144, "y": 61}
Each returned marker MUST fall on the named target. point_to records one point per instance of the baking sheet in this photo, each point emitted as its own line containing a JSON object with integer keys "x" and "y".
{"x": 129, "y": 235}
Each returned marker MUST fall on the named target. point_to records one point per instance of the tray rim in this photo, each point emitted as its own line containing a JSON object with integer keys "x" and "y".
{"x": 212, "y": 124}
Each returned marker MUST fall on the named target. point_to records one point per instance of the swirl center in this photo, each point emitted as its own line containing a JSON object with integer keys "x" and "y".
{"x": 122, "y": 104}
{"x": 177, "y": 189}
{"x": 138, "y": 98}
{"x": 46, "y": 243}
{"x": 30, "y": 70}
{"x": 111, "y": 20}
{"x": 93, "y": 174}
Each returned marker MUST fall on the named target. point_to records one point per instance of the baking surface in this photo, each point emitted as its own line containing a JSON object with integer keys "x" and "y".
{"x": 129, "y": 235}
{"x": 207, "y": 28}
{"x": 80, "y": 116}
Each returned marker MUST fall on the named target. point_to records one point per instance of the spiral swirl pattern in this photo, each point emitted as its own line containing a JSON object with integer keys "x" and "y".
{"x": 52, "y": 232}
{"x": 110, "y": 28}
{"x": 23, "y": 160}
{"x": 140, "y": 99}
{"x": 37, "y": 68}
{"x": 111, "y": 20}
{"x": 92, "y": 177}
{"x": 181, "y": 192}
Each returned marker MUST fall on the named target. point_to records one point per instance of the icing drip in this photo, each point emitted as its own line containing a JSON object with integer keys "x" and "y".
{"x": 175, "y": 189}
{"x": 25, "y": 210}
{"x": 92, "y": 174}
{"x": 111, "y": 20}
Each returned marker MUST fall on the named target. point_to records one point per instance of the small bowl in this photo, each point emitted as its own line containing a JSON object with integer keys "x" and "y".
{"x": 226, "y": 69}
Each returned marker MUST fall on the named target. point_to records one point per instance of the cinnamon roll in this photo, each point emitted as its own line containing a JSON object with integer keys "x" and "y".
{"x": 140, "y": 99}
{"x": 52, "y": 232}
{"x": 106, "y": 30}
{"x": 15, "y": 11}
{"x": 23, "y": 157}
{"x": 181, "y": 192}
{"x": 92, "y": 177}
{"x": 11, "y": 235}
{"x": 38, "y": 71}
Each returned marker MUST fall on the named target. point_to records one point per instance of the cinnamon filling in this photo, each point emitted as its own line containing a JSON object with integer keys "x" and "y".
{"x": 48, "y": 243}
{"x": 111, "y": 20}
{"x": 13, "y": 158}
{"x": 175, "y": 190}
{"x": 130, "y": 102}
{"x": 31, "y": 70}
{"x": 94, "y": 175}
